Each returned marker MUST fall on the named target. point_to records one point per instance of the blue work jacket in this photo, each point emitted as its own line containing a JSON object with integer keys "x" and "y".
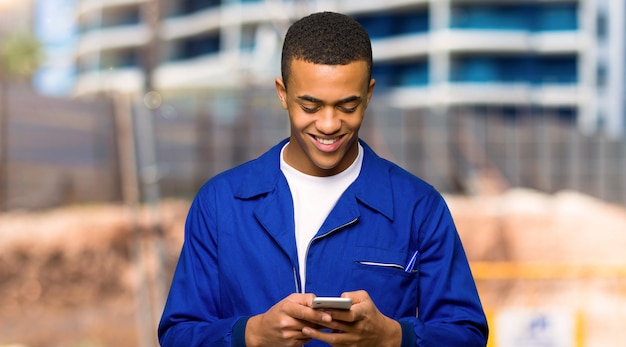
{"x": 239, "y": 256}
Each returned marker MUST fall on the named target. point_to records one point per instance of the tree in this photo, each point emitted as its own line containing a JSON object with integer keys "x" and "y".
{"x": 21, "y": 54}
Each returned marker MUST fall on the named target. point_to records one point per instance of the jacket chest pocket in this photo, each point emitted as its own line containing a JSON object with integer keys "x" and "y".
{"x": 384, "y": 274}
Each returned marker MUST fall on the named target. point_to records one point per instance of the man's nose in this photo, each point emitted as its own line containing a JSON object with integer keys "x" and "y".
{"x": 329, "y": 121}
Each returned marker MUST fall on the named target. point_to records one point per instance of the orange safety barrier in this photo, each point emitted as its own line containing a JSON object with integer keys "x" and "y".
{"x": 512, "y": 270}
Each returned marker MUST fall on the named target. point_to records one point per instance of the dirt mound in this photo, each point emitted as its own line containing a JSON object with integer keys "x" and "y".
{"x": 528, "y": 226}
{"x": 70, "y": 271}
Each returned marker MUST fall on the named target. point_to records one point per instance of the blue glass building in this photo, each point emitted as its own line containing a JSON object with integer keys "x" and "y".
{"x": 563, "y": 56}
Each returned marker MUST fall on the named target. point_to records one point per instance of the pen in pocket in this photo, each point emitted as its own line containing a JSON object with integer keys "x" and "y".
{"x": 411, "y": 264}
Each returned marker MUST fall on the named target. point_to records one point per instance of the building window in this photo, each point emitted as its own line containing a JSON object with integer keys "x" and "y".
{"x": 529, "y": 69}
{"x": 511, "y": 16}
{"x": 558, "y": 69}
{"x": 602, "y": 26}
{"x": 500, "y": 17}
{"x": 120, "y": 16}
{"x": 490, "y": 69}
{"x": 126, "y": 58}
{"x": 601, "y": 76}
{"x": 411, "y": 74}
{"x": 401, "y": 74}
{"x": 194, "y": 47}
{"x": 392, "y": 24}
{"x": 248, "y": 37}
{"x": 190, "y": 6}
{"x": 556, "y": 17}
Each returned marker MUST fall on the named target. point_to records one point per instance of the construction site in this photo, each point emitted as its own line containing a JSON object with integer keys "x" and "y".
{"x": 86, "y": 255}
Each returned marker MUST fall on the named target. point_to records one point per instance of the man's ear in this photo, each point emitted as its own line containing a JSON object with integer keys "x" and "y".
{"x": 370, "y": 90}
{"x": 281, "y": 90}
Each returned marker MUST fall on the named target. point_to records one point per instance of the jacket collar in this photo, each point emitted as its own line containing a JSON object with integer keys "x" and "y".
{"x": 372, "y": 187}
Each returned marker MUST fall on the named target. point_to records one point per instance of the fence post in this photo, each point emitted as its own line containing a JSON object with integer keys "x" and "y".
{"x": 149, "y": 177}
{"x": 601, "y": 171}
{"x": 545, "y": 162}
{"x": 573, "y": 146}
{"x": 203, "y": 130}
{"x": 4, "y": 143}
{"x": 131, "y": 197}
{"x": 622, "y": 159}
{"x": 512, "y": 149}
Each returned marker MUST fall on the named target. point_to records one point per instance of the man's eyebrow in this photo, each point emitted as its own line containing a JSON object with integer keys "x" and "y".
{"x": 349, "y": 99}
{"x": 309, "y": 98}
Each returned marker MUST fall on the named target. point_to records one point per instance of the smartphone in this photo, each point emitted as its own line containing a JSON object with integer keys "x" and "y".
{"x": 332, "y": 302}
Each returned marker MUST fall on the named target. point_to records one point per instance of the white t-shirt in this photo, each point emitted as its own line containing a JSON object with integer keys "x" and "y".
{"x": 313, "y": 199}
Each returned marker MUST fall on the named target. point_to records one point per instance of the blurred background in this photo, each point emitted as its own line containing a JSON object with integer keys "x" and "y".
{"x": 114, "y": 112}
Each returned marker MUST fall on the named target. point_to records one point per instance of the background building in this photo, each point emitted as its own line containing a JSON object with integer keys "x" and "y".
{"x": 55, "y": 27}
{"x": 562, "y": 57}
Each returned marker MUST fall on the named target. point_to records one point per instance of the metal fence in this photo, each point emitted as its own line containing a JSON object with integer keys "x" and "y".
{"x": 65, "y": 151}
{"x": 468, "y": 150}
{"x": 59, "y": 151}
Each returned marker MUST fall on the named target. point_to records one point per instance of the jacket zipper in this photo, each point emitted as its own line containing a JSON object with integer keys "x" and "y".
{"x": 298, "y": 288}
{"x": 295, "y": 279}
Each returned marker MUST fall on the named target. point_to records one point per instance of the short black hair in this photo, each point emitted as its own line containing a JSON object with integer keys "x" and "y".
{"x": 326, "y": 38}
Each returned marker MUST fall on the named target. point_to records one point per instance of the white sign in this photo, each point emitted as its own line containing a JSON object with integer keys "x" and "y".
{"x": 534, "y": 327}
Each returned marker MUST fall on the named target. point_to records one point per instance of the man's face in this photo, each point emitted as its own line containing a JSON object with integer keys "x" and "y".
{"x": 326, "y": 104}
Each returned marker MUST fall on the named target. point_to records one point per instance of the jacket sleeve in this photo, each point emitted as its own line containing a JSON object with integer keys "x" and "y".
{"x": 449, "y": 309}
{"x": 191, "y": 314}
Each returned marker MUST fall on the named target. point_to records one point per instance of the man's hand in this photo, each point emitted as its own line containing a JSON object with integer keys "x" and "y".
{"x": 363, "y": 325}
{"x": 283, "y": 323}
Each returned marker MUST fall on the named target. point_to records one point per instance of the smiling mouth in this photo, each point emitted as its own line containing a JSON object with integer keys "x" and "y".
{"x": 327, "y": 141}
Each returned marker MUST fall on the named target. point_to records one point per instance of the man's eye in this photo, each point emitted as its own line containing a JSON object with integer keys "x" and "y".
{"x": 347, "y": 109}
{"x": 309, "y": 109}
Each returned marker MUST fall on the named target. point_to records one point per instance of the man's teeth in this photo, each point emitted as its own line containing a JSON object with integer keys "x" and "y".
{"x": 326, "y": 141}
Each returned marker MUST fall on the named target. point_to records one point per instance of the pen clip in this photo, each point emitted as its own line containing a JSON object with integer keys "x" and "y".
{"x": 411, "y": 264}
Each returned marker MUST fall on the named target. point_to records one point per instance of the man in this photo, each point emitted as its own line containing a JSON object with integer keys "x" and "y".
{"x": 320, "y": 214}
